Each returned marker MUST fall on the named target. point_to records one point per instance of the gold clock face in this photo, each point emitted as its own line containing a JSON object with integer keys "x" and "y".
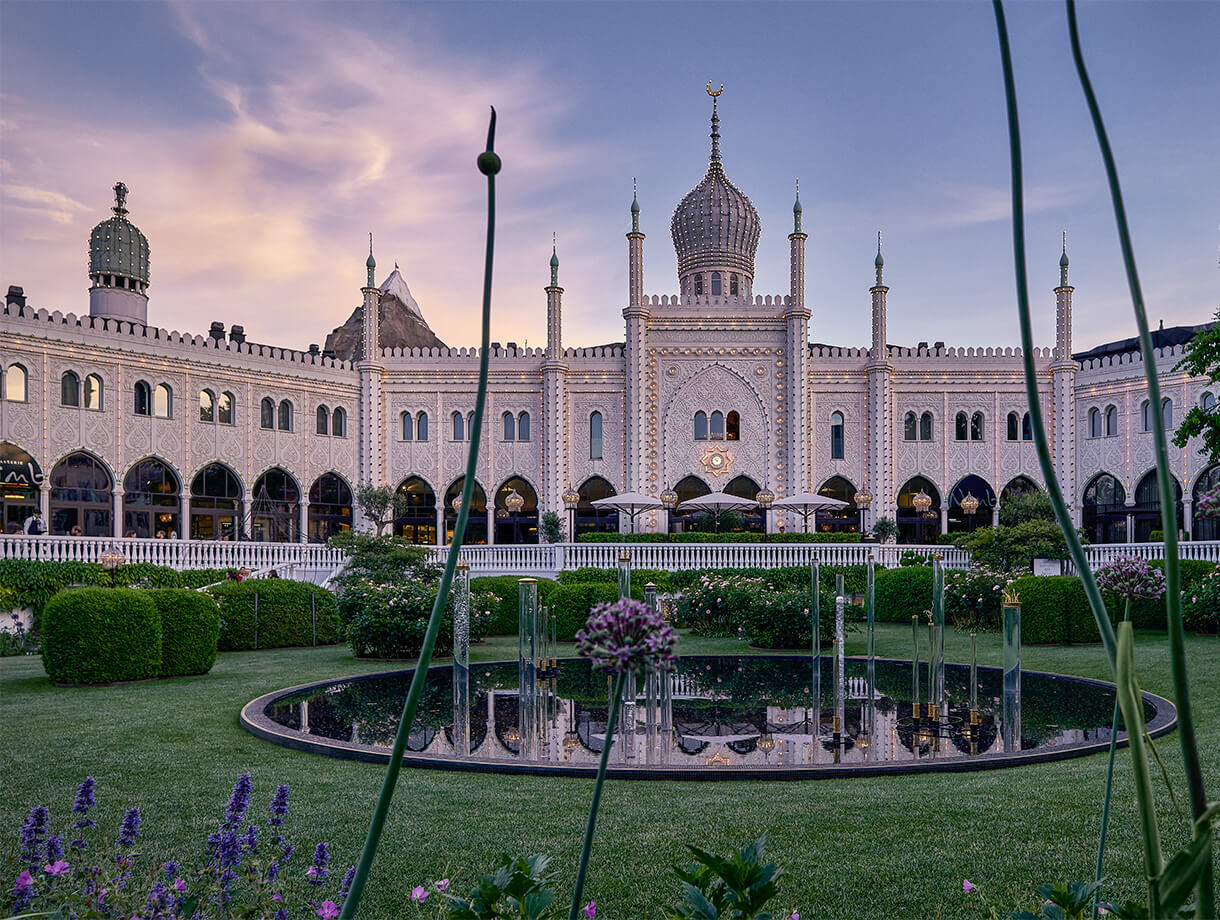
{"x": 717, "y": 460}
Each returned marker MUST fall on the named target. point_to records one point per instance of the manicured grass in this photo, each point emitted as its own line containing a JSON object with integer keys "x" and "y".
{"x": 867, "y": 848}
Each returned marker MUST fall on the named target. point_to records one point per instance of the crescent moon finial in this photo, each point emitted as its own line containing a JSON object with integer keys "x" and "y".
{"x": 717, "y": 92}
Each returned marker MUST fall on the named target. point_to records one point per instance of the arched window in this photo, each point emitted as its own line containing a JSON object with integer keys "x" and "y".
{"x": 459, "y": 427}
{"x": 976, "y": 426}
{"x": 910, "y": 427}
{"x": 925, "y": 427}
{"x": 595, "y": 436}
{"x": 520, "y": 526}
{"x": 716, "y": 426}
{"x": 470, "y": 432}
{"x": 143, "y": 398}
{"x": 267, "y": 415}
{"x": 1204, "y": 526}
{"x": 523, "y": 426}
{"x": 275, "y": 508}
{"x": 285, "y": 415}
{"x": 590, "y": 518}
{"x": 914, "y": 525}
{"x": 330, "y": 508}
{"x": 69, "y": 390}
{"x": 322, "y": 425}
{"x": 93, "y": 393}
{"x": 509, "y": 426}
{"x": 732, "y": 426}
{"x": 216, "y": 504}
{"x": 734, "y": 289}
{"x": 1147, "y": 512}
{"x": 700, "y": 425}
{"x": 224, "y": 408}
{"x": 163, "y": 401}
{"x": 1207, "y": 402}
{"x": 81, "y": 496}
{"x": 476, "y": 523}
{"x": 207, "y": 406}
{"x": 417, "y": 523}
{"x": 151, "y": 500}
{"x": 1027, "y": 428}
{"x": 836, "y": 436}
{"x": 1166, "y": 412}
{"x": 698, "y": 285}
{"x": 960, "y": 426}
{"x": 716, "y": 288}
{"x": 407, "y": 433}
{"x": 687, "y": 488}
{"x": 1013, "y": 424}
{"x": 15, "y": 380}
{"x": 837, "y": 520}
{"x": 1111, "y": 421}
{"x": 421, "y": 427}
{"x": 1146, "y": 415}
{"x": 339, "y": 423}
{"x": 1094, "y": 423}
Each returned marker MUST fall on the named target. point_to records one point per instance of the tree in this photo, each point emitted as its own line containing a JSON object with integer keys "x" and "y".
{"x": 1034, "y": 505}
{"x": 380, "y": 504}
{"x": 552, "y": 527}
{"x": 884, "y": 529}
{"x": 1202, "y": 359}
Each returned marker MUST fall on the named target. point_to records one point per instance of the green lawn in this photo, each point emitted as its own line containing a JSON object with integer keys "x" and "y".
{"x": 867, "y": 848}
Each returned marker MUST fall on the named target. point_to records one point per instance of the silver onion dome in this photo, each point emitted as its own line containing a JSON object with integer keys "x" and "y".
{"x": 117, "y": 248}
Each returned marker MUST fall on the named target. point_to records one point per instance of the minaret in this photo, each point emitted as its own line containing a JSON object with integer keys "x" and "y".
{"x": 635, "y": 355}
{"x": 880, "y": 406}
{"x": 1063, "y": 376}
{"x": 370, "y": 370}
{"x": 555, "y": 434}
{"x": 118, "y": 266}
{"x": 796, "y": 320}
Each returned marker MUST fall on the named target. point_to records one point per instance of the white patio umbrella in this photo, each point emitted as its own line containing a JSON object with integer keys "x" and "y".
{"x": 716, "y": 502}
{"x": 632, "y": 503}
{"x": 806, "y": 503}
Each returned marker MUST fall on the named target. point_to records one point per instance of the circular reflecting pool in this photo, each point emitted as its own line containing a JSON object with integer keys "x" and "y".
{"x": 714, "y": 717}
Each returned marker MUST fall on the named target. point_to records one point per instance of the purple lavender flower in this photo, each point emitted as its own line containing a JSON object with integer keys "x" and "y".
{"x": 130, "y": 829}
{"x": 33, "y": 834}
{"x": 347, "y": 884}
{"x": 273, "y": 870}
{"x": 23, "y": 891}
{"x": 281, "y": 914}
{"x": 172, "y": 869}
{"x": 239, "y": 801}
{"x": 625, "y": 636}
{"x": 84, "y": 796}
{"x": 279, "y": 806}
{"x": 55, "y": 848}
{"x": 249, "y": 842}
{"x": 1131, "y": 578}
{"x": 321, "y": 861}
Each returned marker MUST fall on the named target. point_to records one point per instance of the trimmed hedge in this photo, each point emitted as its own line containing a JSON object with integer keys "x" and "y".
{"x": 639, "y": 577}
{"x": 190, "y": 630}
{"x": 505, "y": 612}
{"x": 283, "y": 614}
{"x": 101, "y": 635}
{"x": 903, "y": 593}
{"x": 734, "y": 537}
{"x": 1054, "y": 609}
{"x": 570, "y": 605}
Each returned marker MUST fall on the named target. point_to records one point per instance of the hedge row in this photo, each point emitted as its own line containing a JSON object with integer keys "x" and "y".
{"x": 1054, "y": 609}
{"x": 284, "y": 616}
{"x": 504, "y": 588}
{"x": 734, "y": 537}
{"x": 100, "y": 635}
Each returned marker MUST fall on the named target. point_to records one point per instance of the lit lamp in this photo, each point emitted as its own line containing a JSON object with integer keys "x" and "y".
{"x": 669, "y": 501}
{"x": 923, "y": 504}
{"x": 766, "y": 743}
{"x": 969, "y": 506}
{"x": 112, "y": 560}
{"x": 863, "y": 499}
{"x": 571, "y": 498}
{"x": 514, "y": 502}
{"x": 765, "y": 499}
{"x": 456, "y": 504}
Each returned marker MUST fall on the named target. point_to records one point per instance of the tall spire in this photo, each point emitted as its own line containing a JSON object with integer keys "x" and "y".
{"x": 371, "y": 263}
{"x": 635, "y": 208}
{"x": 796, "y": 209}
{"x": 554, "y": 262}
{"x": 1063, "y": 262}
{"x": 879, "y": 262}
{"x": 715, "y": 122}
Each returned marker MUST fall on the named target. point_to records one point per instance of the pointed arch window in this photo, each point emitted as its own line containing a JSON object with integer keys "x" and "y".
{"x": 1013, "y": 426}
{"x": 1094, "y": 423}
{"x": 459, "y": 427}
{"x": 836, "y": 435}
{"x": 523, "y": 426}
{"x": 976, "y": 426}
{"x": 267, "y": 413}
{"x": 470, "y": 433}
{"x": 1111, "y": 421}
{"x": 93, "y": 392}
{"x": 716, "y": 426}
{"x": 1166, "y": 412}
{"x": 1207, "y": 402}
{"x": 734, "y": 288}
{"x": 69, "y": 390}
{"x": 595, "y": 436}
{"x": 15, "y": 383}
{"x": 1146, "y": 415}
{"x": 1027, "y": 428}
{"x": 143, "y": 398}
{"x": 285, "y": 416}
{"x": 407, "y": 433}
{"x": 910, "y": 427}
{"x": 421, "y": 427}
{"x": 338, "y": 426}
{"x": 925, "y": 427}
{"x": 700, "y": 425}
{"x": 717, "y": 290}
{"x": 207, "y": 406}
{"x": 960, "y": 426}
{"x": 322, "y": 423}
{"x": 163, "y": 401}
{"x": 509, "y": 427}
{"x": 732, "y": 426}
{"x": 224, "y": 408}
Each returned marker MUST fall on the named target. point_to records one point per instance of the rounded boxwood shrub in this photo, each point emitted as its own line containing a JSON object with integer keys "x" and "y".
{"x": 190, "y": 630}
{"x": 505, "y": 607}
{"x": 1054, "y": 609}
{"x": 283, "y": 614}
{"x": 903, "y": 593}
{"x": 101, "y": 635}
{"x": 570, "y": 605}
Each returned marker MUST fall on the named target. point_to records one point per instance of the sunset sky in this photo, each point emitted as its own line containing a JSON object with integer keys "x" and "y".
{"x": 263, "y": 141}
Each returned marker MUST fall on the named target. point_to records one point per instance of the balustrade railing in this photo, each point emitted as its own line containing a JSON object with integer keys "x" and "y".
{"x": 177, "y": 554}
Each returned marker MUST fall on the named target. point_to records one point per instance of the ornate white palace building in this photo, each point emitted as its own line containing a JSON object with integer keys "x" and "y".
{"x": 119, "y": 427}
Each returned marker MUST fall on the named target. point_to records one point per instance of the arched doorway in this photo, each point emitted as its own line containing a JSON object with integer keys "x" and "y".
{"x": 20, "y": 482}
{"x": 916, "y": 525}
{"x": 417, "y": 524}
{"x": 845, "y": 520}
{"x": 1147, "y": 510}
{"x": 82, "y": 496}
{"x": 1105, "y": 510}
{"x": 216, "y": 504}
{"x": 516, "y": 518}
{"x": 476, "y": 523}
{"x": 687, "y": 488}
{"x": 595, "y": 520}
{"x": 152, "y": 500}
{"x": 1018, "y": 486}
{"x": 275, "y": 508}
{"x": 1201, "y": 528}
{"x": 330, "y": 507}
{"x": 752, "y": 520}
{"x": 984, "y": 515}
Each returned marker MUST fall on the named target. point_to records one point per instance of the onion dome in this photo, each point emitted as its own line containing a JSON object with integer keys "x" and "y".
{"x": 715, "y": 226}
{"x": 118, "y": 251}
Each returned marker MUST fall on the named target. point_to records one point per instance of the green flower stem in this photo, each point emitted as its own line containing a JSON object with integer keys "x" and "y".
{"x": 1169, "y": 522}
{"x": 1105, "y": 802}
{"x": 591, "y": 825}
{"x": 488, "y": 165}
{"x": 1055, "y": 493}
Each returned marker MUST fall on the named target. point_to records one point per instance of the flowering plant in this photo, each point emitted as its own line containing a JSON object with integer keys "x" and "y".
{"x": 625, "y": 636}
{"x": 1201, "y": 605}
{"x": 1130, "y": 578}
{"x": 973, "y": 597}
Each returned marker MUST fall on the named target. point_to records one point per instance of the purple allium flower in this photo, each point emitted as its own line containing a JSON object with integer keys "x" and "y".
{"x": 279, "y": 806}
{"x": 321, "y": 860}
{"x": 625, "y": 636}
{"x": 33, "y": 834}
{"x": 347, "y": 883}
{"x": 59, "y": 867}
{"x": 328, "y": 910}
{"x": 1130, "y": 578}
{"x": 130, "y": 829}
{"x": 239, "y": 801}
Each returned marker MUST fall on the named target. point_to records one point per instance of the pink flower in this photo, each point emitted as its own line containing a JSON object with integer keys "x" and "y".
{"x": 966, "y": 886}
{"x": 59, "y": 867}
{"x": 591, "y": 910}
{"x": 24, "y": 881}
{"x": 312, "y": 872}
{"x": 418, "y": 893}
{"x": 276, "y": 897}
{"x": 180, "y": 886}
{"x": 442, "y": 884}
{"x": 793, "y": 916}
{"x": 328, "y": 911}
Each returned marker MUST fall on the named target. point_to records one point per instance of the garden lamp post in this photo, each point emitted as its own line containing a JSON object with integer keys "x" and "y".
{"x": 863, "y": 499}
{"x": 969, "y": 506}
{"x": 571, "y": 498}
{"x": 669, "y": 501}
{"x": 514, "y": 502}
{"x": 922, "y": 503}
{"x": 765, "y": 499}
{"x": 112, "y": 560}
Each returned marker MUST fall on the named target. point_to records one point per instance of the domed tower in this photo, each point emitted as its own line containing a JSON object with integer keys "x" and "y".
{"x": 715, "y": 230}
{"x": 118, "y": 266}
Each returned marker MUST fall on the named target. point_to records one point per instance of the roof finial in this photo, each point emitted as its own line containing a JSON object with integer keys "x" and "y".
{"x": 554, "y": 261}
{"x": 796, "y": 209}
{"x": 635, "y": 208}
{"x": 879, "y": 262}
{"x": 120, "y": 198}
{"x": 715, "y": 121}
{"x": 1063, "y": 262}
{"x": 371, "y": 263}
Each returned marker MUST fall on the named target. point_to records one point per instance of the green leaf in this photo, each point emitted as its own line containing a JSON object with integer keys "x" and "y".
{"x": 1180, "y": 876}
